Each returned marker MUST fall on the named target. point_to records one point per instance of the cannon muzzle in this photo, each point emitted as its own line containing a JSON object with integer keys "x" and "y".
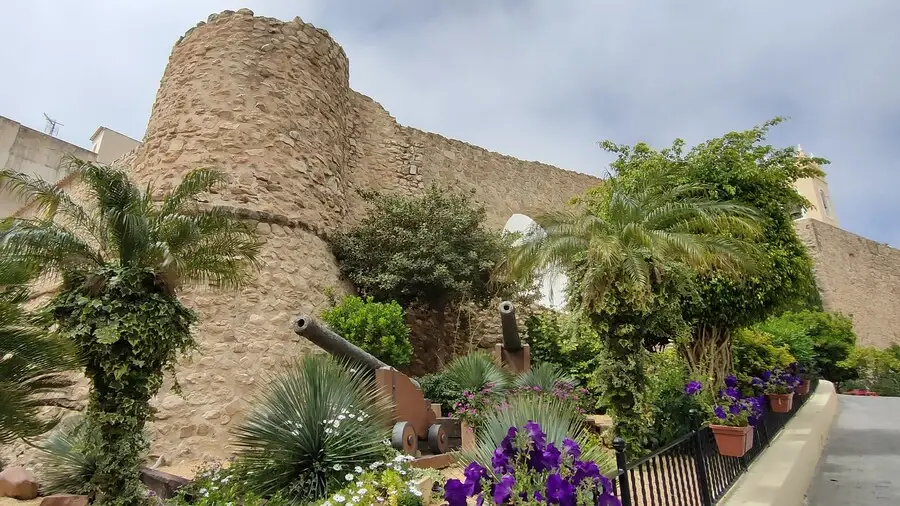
{"x": 328, "y": 340}
{"x": 511, "y": 341}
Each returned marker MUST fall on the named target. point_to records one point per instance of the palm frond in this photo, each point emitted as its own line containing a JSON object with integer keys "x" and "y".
{"x": 475, "y": 372}
{"x": 194, "y": 183}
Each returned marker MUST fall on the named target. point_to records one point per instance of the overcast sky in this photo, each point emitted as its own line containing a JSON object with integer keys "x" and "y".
{"x": 536, "y": 79}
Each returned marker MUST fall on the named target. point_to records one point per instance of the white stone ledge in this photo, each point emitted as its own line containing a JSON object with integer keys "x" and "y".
{"x": 782, "y": 474}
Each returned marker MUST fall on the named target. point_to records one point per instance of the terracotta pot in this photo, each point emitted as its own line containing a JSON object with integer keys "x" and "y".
{"x": 733, "y": 441}
{"x": 781, "y": 403}
{"x": 802, "y": 388}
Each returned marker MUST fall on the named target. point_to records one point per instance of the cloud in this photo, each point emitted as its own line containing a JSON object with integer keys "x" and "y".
{"x": 536, "y": 79}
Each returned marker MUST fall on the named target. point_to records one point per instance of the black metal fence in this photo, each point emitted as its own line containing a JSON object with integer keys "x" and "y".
{"x": 689, "y": 471}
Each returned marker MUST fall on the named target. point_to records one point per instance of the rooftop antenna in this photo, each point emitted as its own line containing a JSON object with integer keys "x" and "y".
{"x": 52, "y": 125}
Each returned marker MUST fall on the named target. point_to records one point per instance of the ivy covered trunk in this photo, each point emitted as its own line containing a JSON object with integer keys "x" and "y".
{"x": 623, "y": 378}
{"x": 128, "y": 328}
{"x": 709, "y": 354}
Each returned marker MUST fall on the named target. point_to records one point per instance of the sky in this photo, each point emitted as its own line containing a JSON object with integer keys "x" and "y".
{"x": 536, "y": 79}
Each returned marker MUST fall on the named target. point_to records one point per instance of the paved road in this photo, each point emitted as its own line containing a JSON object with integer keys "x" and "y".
{"x": 861, "y": 464}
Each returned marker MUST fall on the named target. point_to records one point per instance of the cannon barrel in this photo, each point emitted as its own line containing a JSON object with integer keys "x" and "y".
{"x": 511, "y": 339}
{"x": 330, "y": 341}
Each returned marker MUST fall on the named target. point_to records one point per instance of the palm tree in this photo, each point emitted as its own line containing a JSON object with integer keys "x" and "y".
{"x": 122, "y": 257}
{"x": 33, "y": 362}
{"x": 619, "y": 246}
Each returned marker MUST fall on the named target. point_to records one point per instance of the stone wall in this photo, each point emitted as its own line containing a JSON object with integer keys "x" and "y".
{"x": 857, "y": 277}
{"x": 269, "y": 102}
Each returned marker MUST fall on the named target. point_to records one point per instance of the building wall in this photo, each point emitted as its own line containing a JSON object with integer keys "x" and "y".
{"x": 857, "y": 277}
{"x": 110, "y": 145}
{"x": 816, "y": 191}
{"x": 269, "y": 102}
{"x": 35, "y": 153}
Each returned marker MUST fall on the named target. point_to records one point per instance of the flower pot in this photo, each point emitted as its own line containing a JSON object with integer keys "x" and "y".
{"x": 733, "y": 441}
{"x": 802, "y": 388}
{"x": 781, "y": 403}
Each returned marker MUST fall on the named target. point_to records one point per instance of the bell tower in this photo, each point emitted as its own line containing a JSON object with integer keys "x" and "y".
{"x": 816, "y": 191}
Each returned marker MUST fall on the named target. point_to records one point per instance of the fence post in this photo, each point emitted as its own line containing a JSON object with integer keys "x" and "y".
{"x": 702, "y": 477}
{"x": 622, "y": 465}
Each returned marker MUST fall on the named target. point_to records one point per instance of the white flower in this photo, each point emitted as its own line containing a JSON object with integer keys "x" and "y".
{"x": 336, "y": 423}
{"x": 375, "y": 464}
{"x": 336, "y": 467}
{"x": 386, "y": 442}
{"x": 353, "y": 370}
{"x": 416, "y": 492}
{"x": 341, "y": 417}
{"x": 358, "y": 470}
{"x": 204, "y": 491}
{"x": 349, "y": 477}
{"x": 326, "y": 503}
{"x": 339, "y": 498}
{"x": 362, "y": 491}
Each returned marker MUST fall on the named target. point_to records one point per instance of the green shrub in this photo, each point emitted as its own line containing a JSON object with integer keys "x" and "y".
{"x": 756, "y": 352}
{"x": 815, "y": 338}
{"x": 544, "y": 376}
{"x": 438, "y": 389}
{"x": 68, "y": 465}
{"x": 376, "y": 327}
{"x": 315, "y": 422}
{"x": 556, "y": 418}
{"x": 877, "y": 370}
{"x": 666, "y": 405}
{"x": 570, "y": 343}
{"x": 787, "y": 332}
{"x": 217, "y": 485}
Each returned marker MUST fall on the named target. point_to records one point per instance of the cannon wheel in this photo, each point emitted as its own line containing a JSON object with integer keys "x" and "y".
{"x": 437, "y": 438}
{"x": 404, "y": 439}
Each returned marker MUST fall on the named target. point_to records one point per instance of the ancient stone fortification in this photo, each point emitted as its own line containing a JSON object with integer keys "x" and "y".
{"x": 858, "y": 277}
{"x": 269, "y": 102}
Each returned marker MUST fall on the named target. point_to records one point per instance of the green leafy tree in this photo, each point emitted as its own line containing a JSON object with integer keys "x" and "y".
{"x": 737, "y": 167}
{"x": 432, "y": 250}
{"x": 33, "y": 361}
{"x": 122, "y": 257}
{"x": 756, "y": 352}
{"x": 619, "y": 249}
{"x": 376, "y": 327}
{"x": 832, "y": 337}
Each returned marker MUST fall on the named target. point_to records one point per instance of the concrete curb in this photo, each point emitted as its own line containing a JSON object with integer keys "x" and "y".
{"x": 783, "y": 473}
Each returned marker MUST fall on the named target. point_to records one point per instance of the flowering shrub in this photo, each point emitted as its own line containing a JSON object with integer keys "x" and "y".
{"x": 388, "y": 483}
{"x": 564, "y": 391}
{"x": 217, "y": 485}
{"x": 528, "y": 469}
{"x": 474, "y": 405}
{"x": 777, "y": 382}
{"x": 729, "y": 407}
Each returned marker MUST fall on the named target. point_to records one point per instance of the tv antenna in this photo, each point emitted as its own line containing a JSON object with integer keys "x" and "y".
{"x": 52, "y": 125}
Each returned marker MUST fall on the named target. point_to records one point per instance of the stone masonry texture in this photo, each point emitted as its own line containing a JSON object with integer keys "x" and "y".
{"x": 857, "y": 277}
{"x": 269, "y": 103}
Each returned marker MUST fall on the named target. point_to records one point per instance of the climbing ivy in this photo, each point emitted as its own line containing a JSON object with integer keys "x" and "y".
{"x": 128, "y": 331}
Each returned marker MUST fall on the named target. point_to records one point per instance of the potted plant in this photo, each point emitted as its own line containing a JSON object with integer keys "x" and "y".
{"x": 779, "y": 387}
{"x": 731, "y": 416}
{"x": 805, "y": 377}
{"x": 528, "y": 469}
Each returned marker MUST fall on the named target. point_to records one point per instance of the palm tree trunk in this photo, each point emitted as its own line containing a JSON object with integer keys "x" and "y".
{"x": 709, "y": 353}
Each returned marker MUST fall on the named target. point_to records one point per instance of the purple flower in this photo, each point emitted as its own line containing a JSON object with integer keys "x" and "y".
{"x": 733, "y": 393}
{"x": 538, "y": 496}
{"x": 507, "y": 443}
{"x": 537, "y": 435}
{"x": 455, "y": 493}
{"x": 720, "y": 412}
{"x": 756, "y": 382}
{"x": 731, "y": 381}
{"x": 585, "y": 470}
{"x": 766, "y": 375}
{"x": 692, "y": 387}
{"x": 500, "y": 461}
{"x": 551, "y": 457}
{"x": 559, "y": 491}
{"x": 735, "y": 409}
{"x": 474, "y": 473}
{"x": 752, "y": 420}
{"x": 606, "y": 499}
{"x": 571, "y": 448}
{"x": 503, "y": 489}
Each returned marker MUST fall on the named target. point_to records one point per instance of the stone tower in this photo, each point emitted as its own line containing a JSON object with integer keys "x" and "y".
{"x": 816, "y": 191}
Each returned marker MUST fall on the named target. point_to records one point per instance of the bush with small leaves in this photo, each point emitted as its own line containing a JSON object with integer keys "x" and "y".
{"x": 376, "y": 327}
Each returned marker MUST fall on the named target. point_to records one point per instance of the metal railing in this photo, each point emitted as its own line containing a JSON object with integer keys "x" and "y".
{"x": 689, "y": 471}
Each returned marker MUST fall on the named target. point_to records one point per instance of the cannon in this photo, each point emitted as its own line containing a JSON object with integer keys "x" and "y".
{"x": 415, "y": 424}
{"x": 511, "y": 352}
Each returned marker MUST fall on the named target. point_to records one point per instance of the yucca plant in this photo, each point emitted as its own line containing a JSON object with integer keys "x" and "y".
{"x": 314, "y": 424}
{"x": 556, "y": 417}
{"x": 475, "y": 372}
{"x": 33, "y": 362}
{"x": 544, "y": 376}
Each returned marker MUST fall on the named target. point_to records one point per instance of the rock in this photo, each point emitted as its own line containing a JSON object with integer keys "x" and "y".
{"x": 65, "y": 500}
{"x": 18, "y": 483}
{"x": 248, "y": 12}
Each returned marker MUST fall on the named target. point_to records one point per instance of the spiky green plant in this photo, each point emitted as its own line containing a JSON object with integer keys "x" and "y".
{"x": 545, "y": 376}
{"x": 313, "y": 425}
{"x": 68, "y": 467}
{"x": 476, "y": 371}
{"x": 33, "y": 362}
{"x": 558, "y": 420}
